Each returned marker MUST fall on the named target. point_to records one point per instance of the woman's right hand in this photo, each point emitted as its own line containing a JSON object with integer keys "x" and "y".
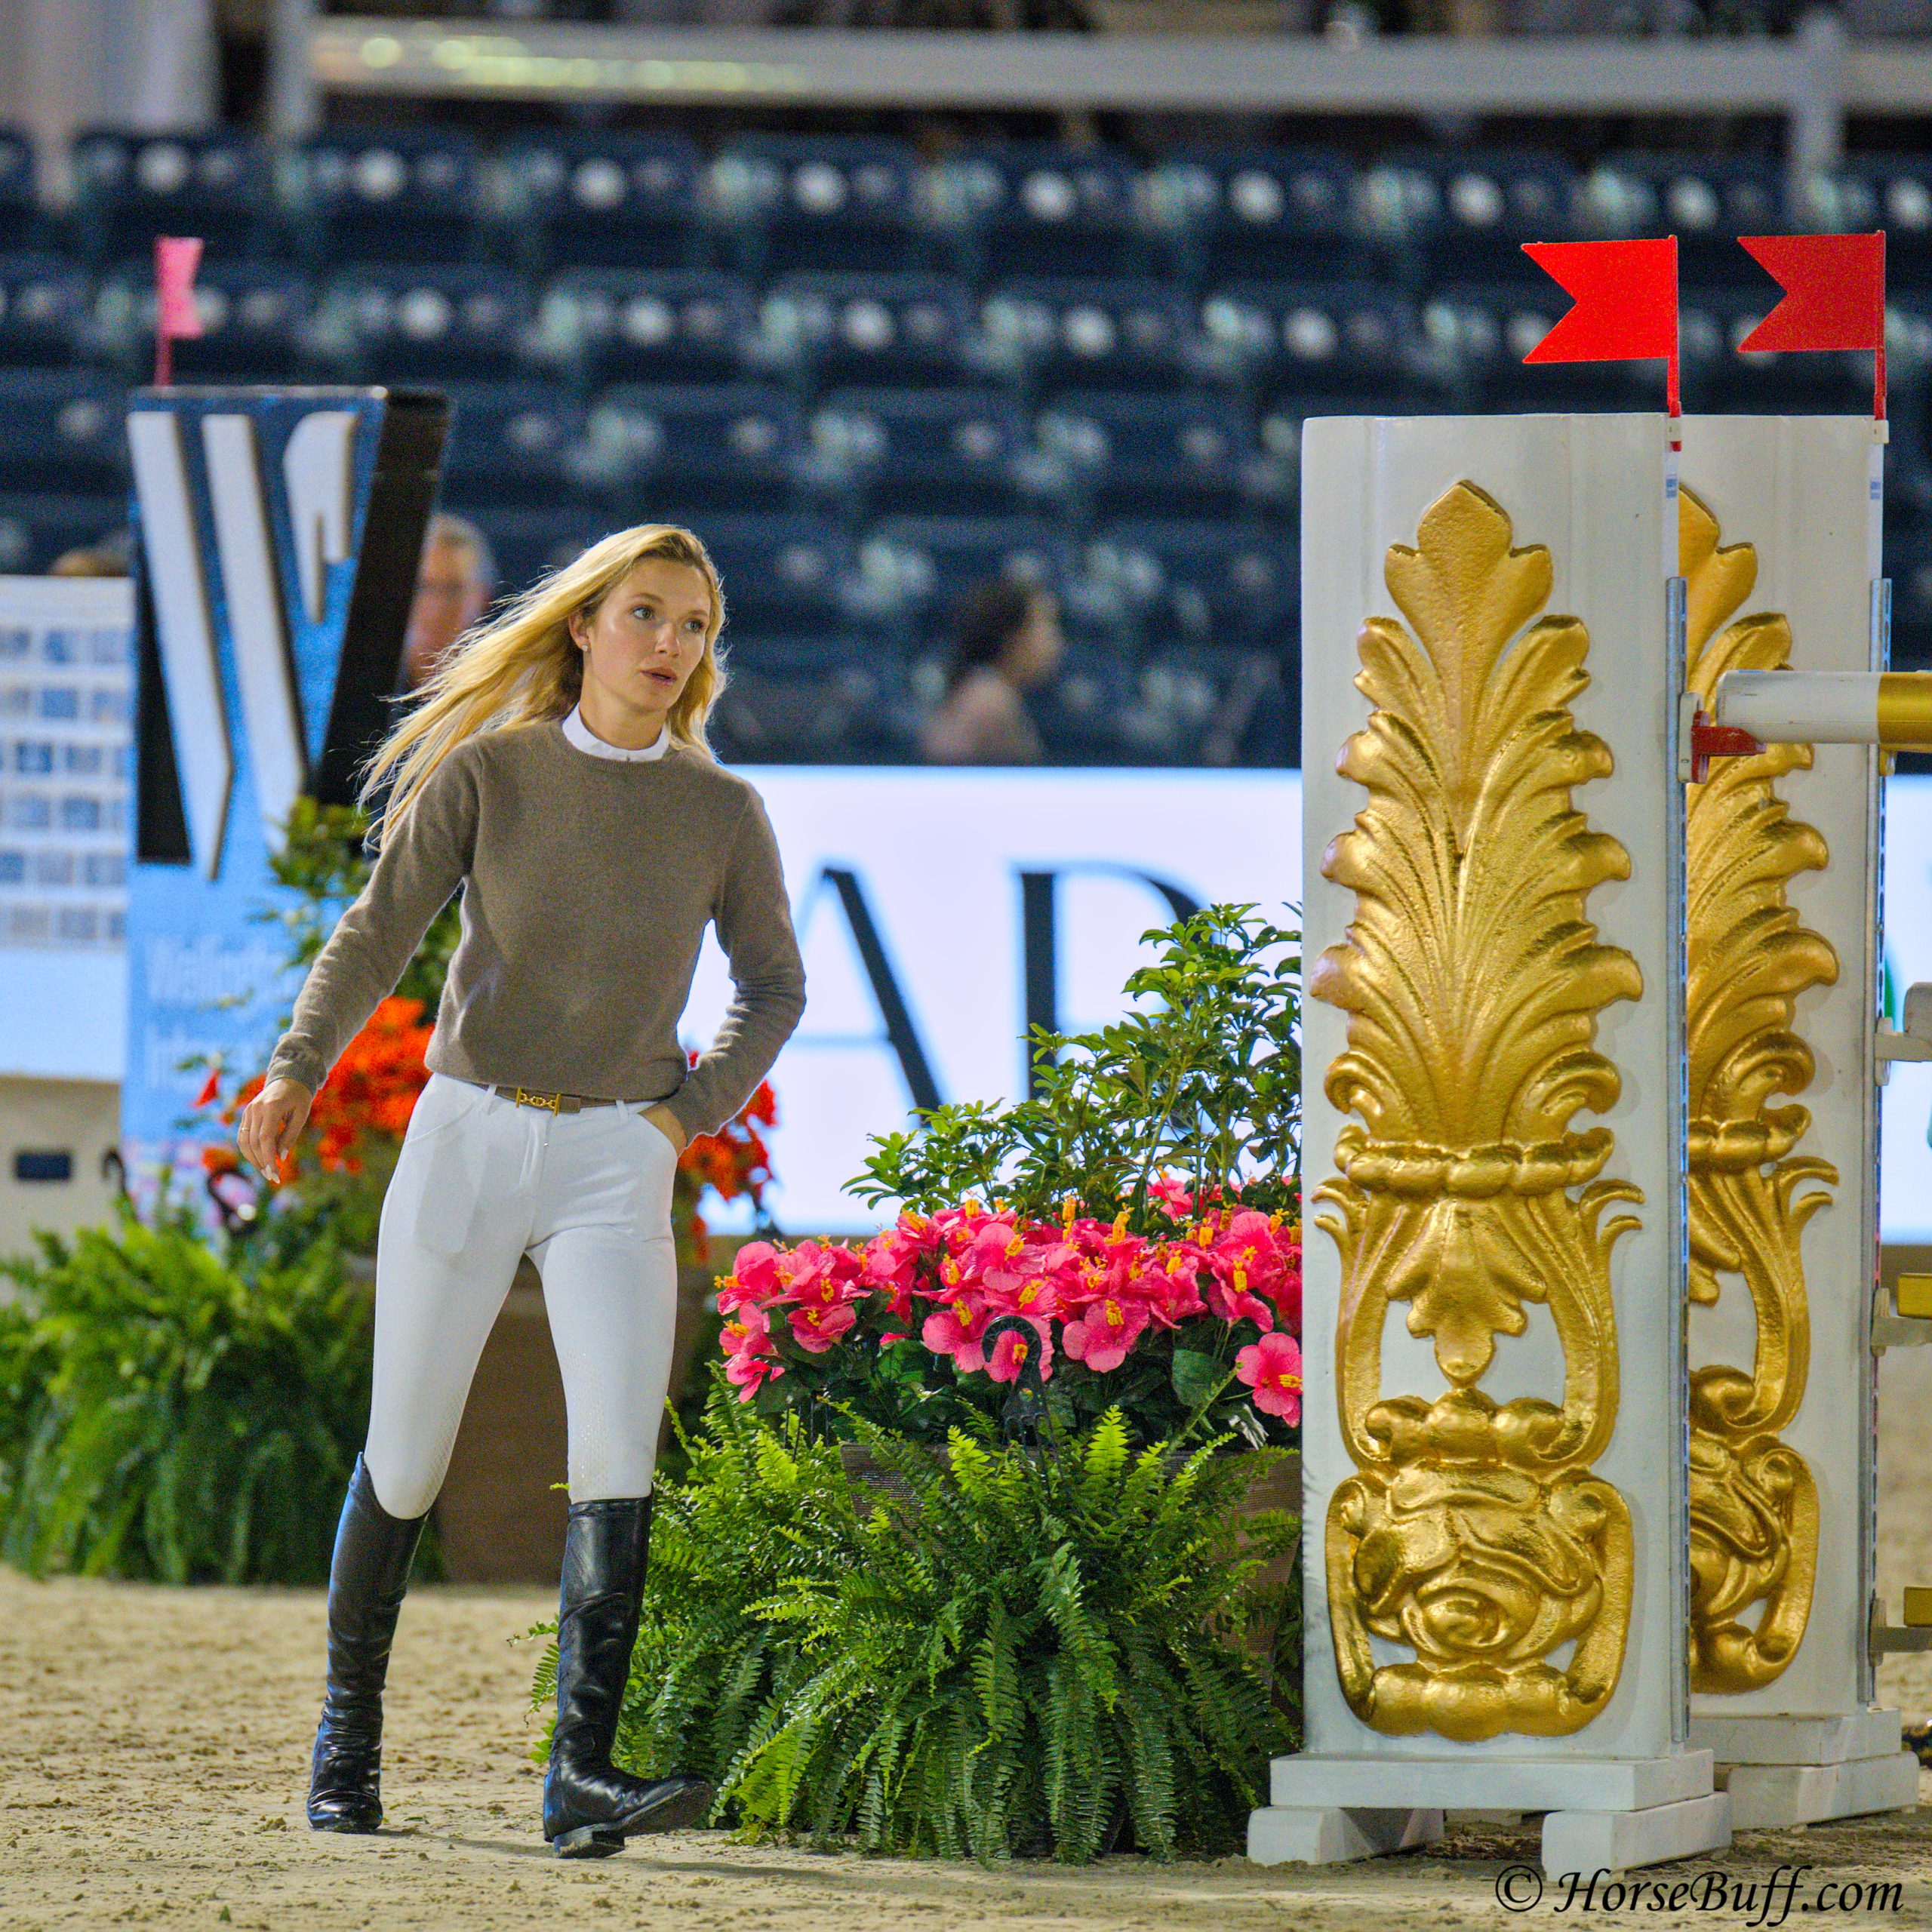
{"x": 270, "y": 1124}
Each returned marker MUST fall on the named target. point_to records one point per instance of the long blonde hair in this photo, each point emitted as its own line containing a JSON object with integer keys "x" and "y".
{"x": 523, "y": 664}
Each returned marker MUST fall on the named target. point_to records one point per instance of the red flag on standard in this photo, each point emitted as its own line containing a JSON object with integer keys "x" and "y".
{"x": 175, "y": 314}
{"x": 1834, "y": 296}
{"x": 1625, "y": 294}
{"x": 176, "y": 259}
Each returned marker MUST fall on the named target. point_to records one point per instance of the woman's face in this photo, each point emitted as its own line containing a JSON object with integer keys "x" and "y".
{"x": 643, "y": 641}
{"x": 1033, "y": 652}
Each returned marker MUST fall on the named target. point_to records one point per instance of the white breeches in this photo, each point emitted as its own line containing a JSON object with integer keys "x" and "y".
{"x": 481, "y": 1180}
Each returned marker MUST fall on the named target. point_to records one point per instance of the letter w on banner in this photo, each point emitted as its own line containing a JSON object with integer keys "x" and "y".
{"x": 1625, "y": 305}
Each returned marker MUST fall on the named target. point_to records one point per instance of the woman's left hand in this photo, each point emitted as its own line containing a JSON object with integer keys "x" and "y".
{"x": 668, "y": 1124}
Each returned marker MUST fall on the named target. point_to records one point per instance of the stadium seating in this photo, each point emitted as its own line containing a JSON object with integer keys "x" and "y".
{"x": 676, "y": 326}
{"x": 515, "y": 444}
{"x": 1346, "y": 341}
{"x": 64, "y": 430}
{"x": 732, "y": 446}
{"x": 1892, "y": 192}
{"x": 1478, "y": 335}
{"x": 776, "y": 202}
{"x": 1463, "y": 215}
{"x": 824, "y": 698}
{"x": 1262, "y": 214}
{"x": 1134, "y": 455}
{"x": 380, "y": 324}
{"x": 912, "y": 570}
{"x": 1213, "y": 705}
{"x": 1083, "y": 714}
{"x": 596, "y": 201}
{"x": 957, "y": 451}
{"x": 23, "y": 227}
{"x": 253, "y": 315}
{"x": 1058, "y": 334}
{"x": 786, "y": 575}
{"x": 526, "y": 543}
{"x": 353, "y": 195}
{"x": 43, "y": 311}
{"x": 1705, "y": 201}
{"x": 873, "y": 381}
{"x": 823, "y": 329}
{"x": 129, "y": 188}
{"x": 1018, "y": 209}
{"x": 1195, "y": 583}
{"x": 35, "y": 527}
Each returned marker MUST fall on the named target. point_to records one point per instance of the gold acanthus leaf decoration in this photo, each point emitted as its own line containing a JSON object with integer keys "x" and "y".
{"x": 1473, "y": 1533}
{"x": 1754, "y": 1502}
{"x": 1470, "y": 972}
{"x": 1750, "y": 956}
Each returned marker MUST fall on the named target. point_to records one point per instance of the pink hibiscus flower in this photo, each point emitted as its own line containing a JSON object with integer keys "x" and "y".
{"x": 821, "y": 1326}
{"x": 1272, "y": 1367}
{"x": 750, "y": 1372}
{"x": 1012, "y": 1351}
{"x": 754, "y": 1277}
{"x": 1107, "y": 1330}
{"x": 1167, "y": 1190}
{"x": 954, "y": 1330}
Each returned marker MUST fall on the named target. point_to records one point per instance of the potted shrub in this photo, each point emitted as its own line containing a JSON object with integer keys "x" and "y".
{"x": 1041, "y": 1655}
{"x": 1126, "y": 1237}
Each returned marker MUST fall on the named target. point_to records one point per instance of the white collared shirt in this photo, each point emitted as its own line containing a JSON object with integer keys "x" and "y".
{"x": 580, "y": 735}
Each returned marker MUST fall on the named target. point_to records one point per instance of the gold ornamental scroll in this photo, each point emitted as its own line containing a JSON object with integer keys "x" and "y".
{"x": 1474, "y": 1534}
{"x": 1753, "y": 1505}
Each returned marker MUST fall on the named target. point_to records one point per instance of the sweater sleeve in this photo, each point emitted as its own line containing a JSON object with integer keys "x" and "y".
{"x": 753, "y": 918}
{"x": 422, "y": 860}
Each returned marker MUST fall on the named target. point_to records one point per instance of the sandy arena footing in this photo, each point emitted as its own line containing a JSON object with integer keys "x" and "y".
{"x": 153, "y": 1746}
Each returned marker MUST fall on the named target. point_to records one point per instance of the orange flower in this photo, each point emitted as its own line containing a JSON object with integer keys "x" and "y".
{"x": 735, "y": 1160}
{"x": 373, "y": 1088}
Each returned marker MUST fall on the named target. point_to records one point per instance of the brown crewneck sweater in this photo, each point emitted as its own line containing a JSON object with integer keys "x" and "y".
{"x": 587, "y": 885}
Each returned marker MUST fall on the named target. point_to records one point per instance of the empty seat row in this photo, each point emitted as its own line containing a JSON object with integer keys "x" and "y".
{"x": 771, "y": 202}
{"x": 1077, "y": 457}
{"x": 842, "y": 701}
{"x": 1131, "y": 585}
{"x": 1463, "y": 345}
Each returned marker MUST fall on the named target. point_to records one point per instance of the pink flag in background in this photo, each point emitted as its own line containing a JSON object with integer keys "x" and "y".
{"x": 176, "y": 259}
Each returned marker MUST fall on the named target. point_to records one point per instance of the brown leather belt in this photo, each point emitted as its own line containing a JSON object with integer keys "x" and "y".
{"x": 558, "y": 1103}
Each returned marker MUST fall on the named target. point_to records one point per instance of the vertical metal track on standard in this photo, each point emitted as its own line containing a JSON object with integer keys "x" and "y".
{"x": 1871, "y": 1233}
{"x": 1676, "y": 625}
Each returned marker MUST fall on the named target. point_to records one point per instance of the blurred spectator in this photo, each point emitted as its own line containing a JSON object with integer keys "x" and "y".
{"x": 1008, "y": 642}
{"x": 110, "y": 555}
{"x": 454, "y": 587}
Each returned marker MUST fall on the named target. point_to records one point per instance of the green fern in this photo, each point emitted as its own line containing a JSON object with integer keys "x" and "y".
{"x": 1031, "y": 1647}
{"x": 172, "y": 1412}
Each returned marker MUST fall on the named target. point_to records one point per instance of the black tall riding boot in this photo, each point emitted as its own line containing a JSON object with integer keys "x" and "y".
{"x": 367, "y": 1575}
{"x": 589, "y": 1806}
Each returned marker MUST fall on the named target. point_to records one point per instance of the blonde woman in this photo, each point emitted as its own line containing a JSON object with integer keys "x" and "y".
{"x": 555, "y": 768}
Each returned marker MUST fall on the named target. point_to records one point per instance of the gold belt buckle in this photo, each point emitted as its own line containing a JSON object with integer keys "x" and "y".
{"x": 524, "y": 1099}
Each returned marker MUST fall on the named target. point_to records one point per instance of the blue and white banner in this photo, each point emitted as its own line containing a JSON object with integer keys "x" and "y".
{"x": 279, "y": 532}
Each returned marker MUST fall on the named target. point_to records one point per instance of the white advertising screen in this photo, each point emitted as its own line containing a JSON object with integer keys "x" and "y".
{"x": 936, "y": 863}
{"x": 915, "y": 884}
{"x": 1905, "y": 1158}
{"x": 919, "y": 897}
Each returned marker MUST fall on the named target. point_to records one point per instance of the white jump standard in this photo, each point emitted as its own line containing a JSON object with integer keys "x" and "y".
{"x": 1495, "y": 1491}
